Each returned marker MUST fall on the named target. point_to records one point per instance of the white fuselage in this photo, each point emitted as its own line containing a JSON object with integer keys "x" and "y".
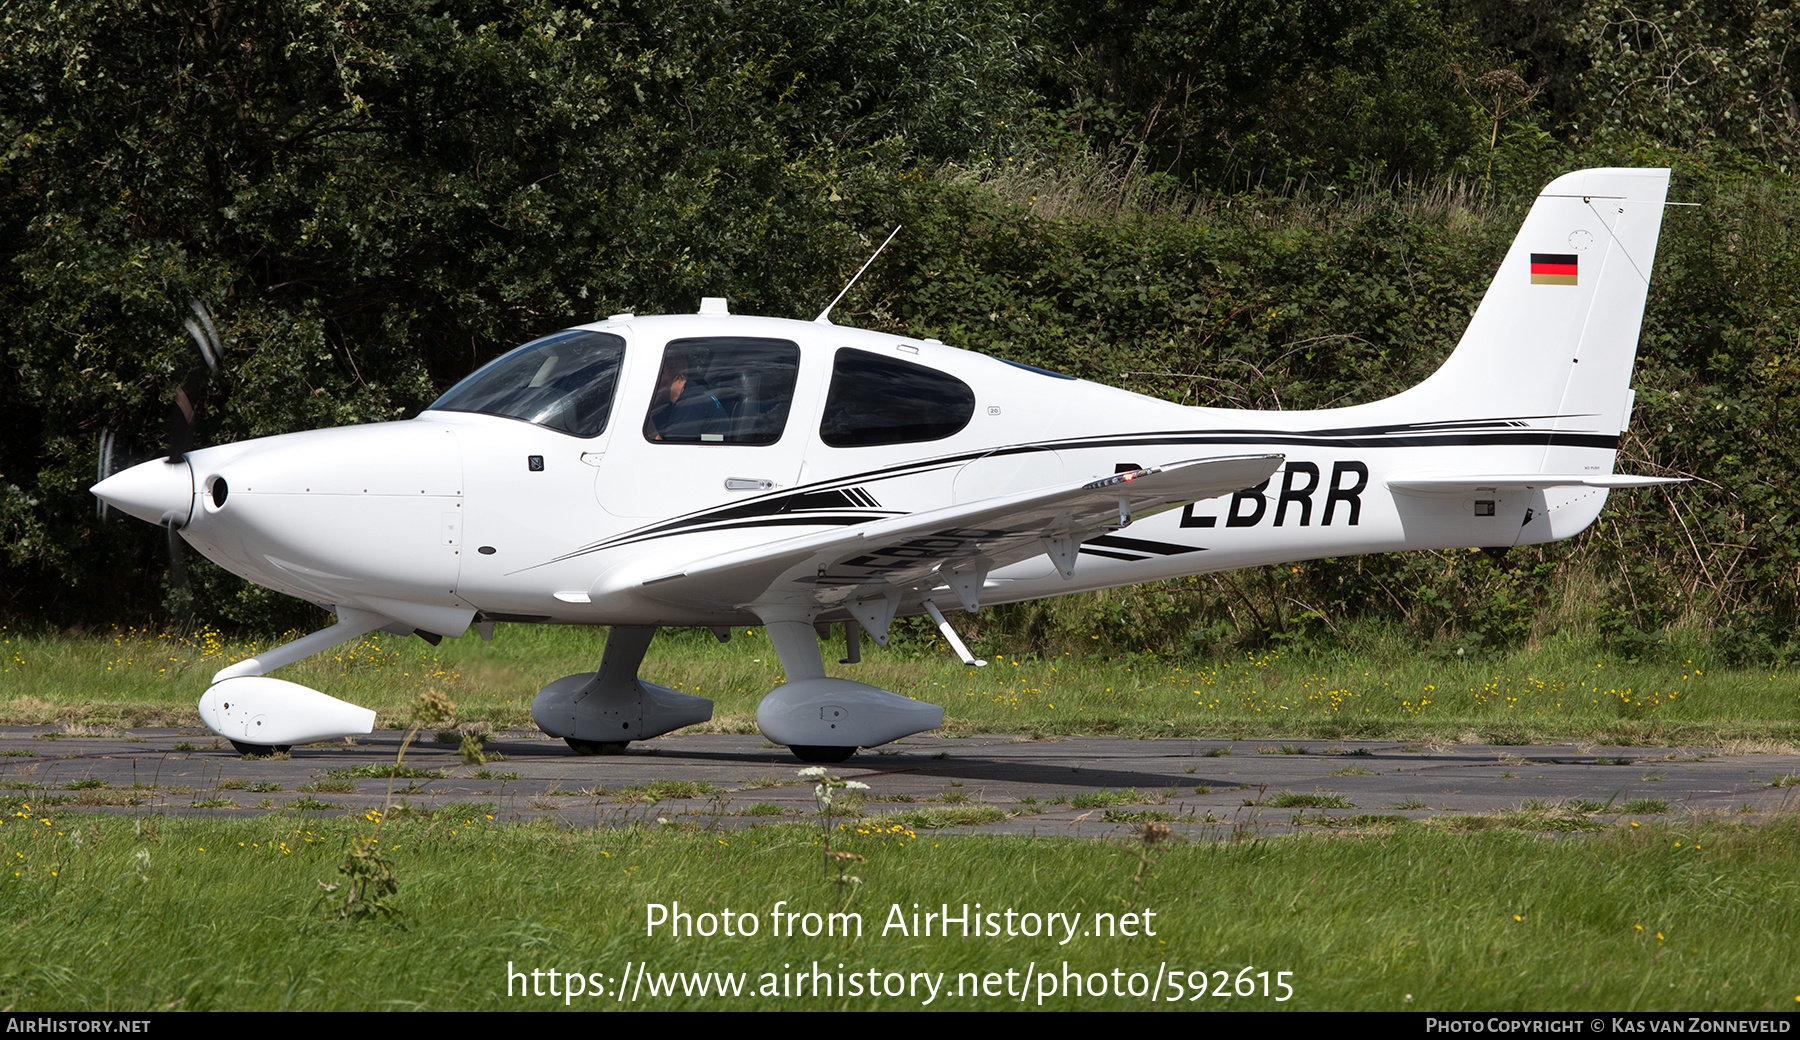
{"x": 454, "y": 514}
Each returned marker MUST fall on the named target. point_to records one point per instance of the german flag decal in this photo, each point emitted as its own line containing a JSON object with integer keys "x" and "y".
{"x": 1553, "y": 268}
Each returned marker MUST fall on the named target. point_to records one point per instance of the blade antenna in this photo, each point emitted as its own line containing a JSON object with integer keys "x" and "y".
{"x": 824, "y": 317}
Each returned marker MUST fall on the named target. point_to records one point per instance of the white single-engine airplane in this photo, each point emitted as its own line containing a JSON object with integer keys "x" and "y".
{"x": 716, "y": 470}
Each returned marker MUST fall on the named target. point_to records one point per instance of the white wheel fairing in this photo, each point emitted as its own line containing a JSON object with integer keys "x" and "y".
{"x": 841, "y": 713}
{"x": 256, "y": 709}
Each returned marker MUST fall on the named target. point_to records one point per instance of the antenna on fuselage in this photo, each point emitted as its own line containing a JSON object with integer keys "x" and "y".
{"x": 824, "y": 317}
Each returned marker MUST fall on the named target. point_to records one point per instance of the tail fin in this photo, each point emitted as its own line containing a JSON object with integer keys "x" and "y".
{"x": 1549, "y": 355}
{"x": 1556, "y": 335}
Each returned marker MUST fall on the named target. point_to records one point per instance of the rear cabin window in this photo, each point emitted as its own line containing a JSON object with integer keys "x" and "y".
{"x": 723, "y": 390}
{"x": 882, "y": 400}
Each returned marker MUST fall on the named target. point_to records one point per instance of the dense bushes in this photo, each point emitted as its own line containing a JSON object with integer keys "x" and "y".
{"x": 1222, "y": 204}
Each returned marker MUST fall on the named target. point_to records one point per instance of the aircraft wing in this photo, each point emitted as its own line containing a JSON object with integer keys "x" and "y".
{"x": 881, "y": 561}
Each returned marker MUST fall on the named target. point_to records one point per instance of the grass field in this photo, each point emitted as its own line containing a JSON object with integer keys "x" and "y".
{"x": 159, "y": 913}
{"x": 1553, "y": 691}
{"x": 145, "y": 911}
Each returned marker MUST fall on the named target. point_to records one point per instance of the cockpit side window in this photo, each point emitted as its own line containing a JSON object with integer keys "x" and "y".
{"x": 564, "y": 381}
{"x": 723, "y": 390}
{"x": 882, "y": 400}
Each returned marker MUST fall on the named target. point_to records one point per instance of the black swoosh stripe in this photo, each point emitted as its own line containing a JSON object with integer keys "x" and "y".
{"x": 1143, "y": 545}
{"x": 1439, "y": 440}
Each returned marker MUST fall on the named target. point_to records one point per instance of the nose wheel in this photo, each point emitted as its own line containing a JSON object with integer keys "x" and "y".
{"x": 597, "y": 747}
{"x": 260, "y": 750}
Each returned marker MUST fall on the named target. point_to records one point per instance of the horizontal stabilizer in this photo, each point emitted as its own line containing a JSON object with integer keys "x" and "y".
{"x": 1462, "y": 484}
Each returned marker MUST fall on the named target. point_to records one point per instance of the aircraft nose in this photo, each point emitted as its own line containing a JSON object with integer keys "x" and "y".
{"x": 160, "y": 492}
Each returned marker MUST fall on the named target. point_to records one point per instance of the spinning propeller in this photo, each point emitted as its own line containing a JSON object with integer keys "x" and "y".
{"x": 157, "y": 497}
{"x": 181, "y": 419}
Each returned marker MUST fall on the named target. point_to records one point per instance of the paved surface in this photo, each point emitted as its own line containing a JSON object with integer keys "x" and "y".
{"x": 1075, "y": 786}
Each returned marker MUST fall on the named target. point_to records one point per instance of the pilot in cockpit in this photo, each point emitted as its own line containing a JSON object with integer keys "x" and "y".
{"x": 683, "y": 408}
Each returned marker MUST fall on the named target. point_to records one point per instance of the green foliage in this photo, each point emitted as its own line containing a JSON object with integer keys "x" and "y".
{"x": 1251, "y": 92}
{"x": 369, "y": 883}
{"x": 382, "y": 770}
{"x": 1693, "y": 74}
{"x": 1184, "y": 200}
{"x": 471, "y": 750}
{"x": 1720, "y": 389}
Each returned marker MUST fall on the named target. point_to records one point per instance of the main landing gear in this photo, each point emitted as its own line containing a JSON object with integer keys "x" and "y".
{"x": 822, "y": 719}
{"x": 600, "y": 712}
{"x": 819, "y": 719}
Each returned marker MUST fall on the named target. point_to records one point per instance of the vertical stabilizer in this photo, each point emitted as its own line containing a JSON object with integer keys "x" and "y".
{"x": 1548, "y": 358}
{"x": 1556, "y": 334}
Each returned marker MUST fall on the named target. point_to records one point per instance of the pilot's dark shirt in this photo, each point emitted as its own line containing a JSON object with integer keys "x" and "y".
{"x": 694, "y": 413}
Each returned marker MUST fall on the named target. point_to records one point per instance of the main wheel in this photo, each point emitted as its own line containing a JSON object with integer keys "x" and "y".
{"x": 597, "y": 747}
{"x": 259, "y": 750}
{"x": 821, "y": 752}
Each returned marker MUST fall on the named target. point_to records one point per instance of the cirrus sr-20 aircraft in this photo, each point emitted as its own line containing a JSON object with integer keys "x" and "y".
{"x": 718, "y": 470}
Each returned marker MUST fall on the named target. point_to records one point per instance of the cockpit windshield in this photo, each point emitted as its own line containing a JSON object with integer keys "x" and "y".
{"x": 563, "y": 381}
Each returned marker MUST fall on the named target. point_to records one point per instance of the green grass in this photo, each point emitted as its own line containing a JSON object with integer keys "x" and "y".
{"x": 1104, "y": 798}
{"x": 1302, "y": 800}
{"x": 107, "y": 796}
{"x": 1360, "y": 821}
{"x": 383, "y": 771}
{"x": 660, "y": 790}
{"x": 1137, "y": 816}
{"x": 1559, "y": 690}
{"x": 198, "y": 914}
{"x": 951, "y": 816}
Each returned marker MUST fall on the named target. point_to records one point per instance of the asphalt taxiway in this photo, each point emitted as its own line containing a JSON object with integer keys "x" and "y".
{"x": 1073, "y": 786}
